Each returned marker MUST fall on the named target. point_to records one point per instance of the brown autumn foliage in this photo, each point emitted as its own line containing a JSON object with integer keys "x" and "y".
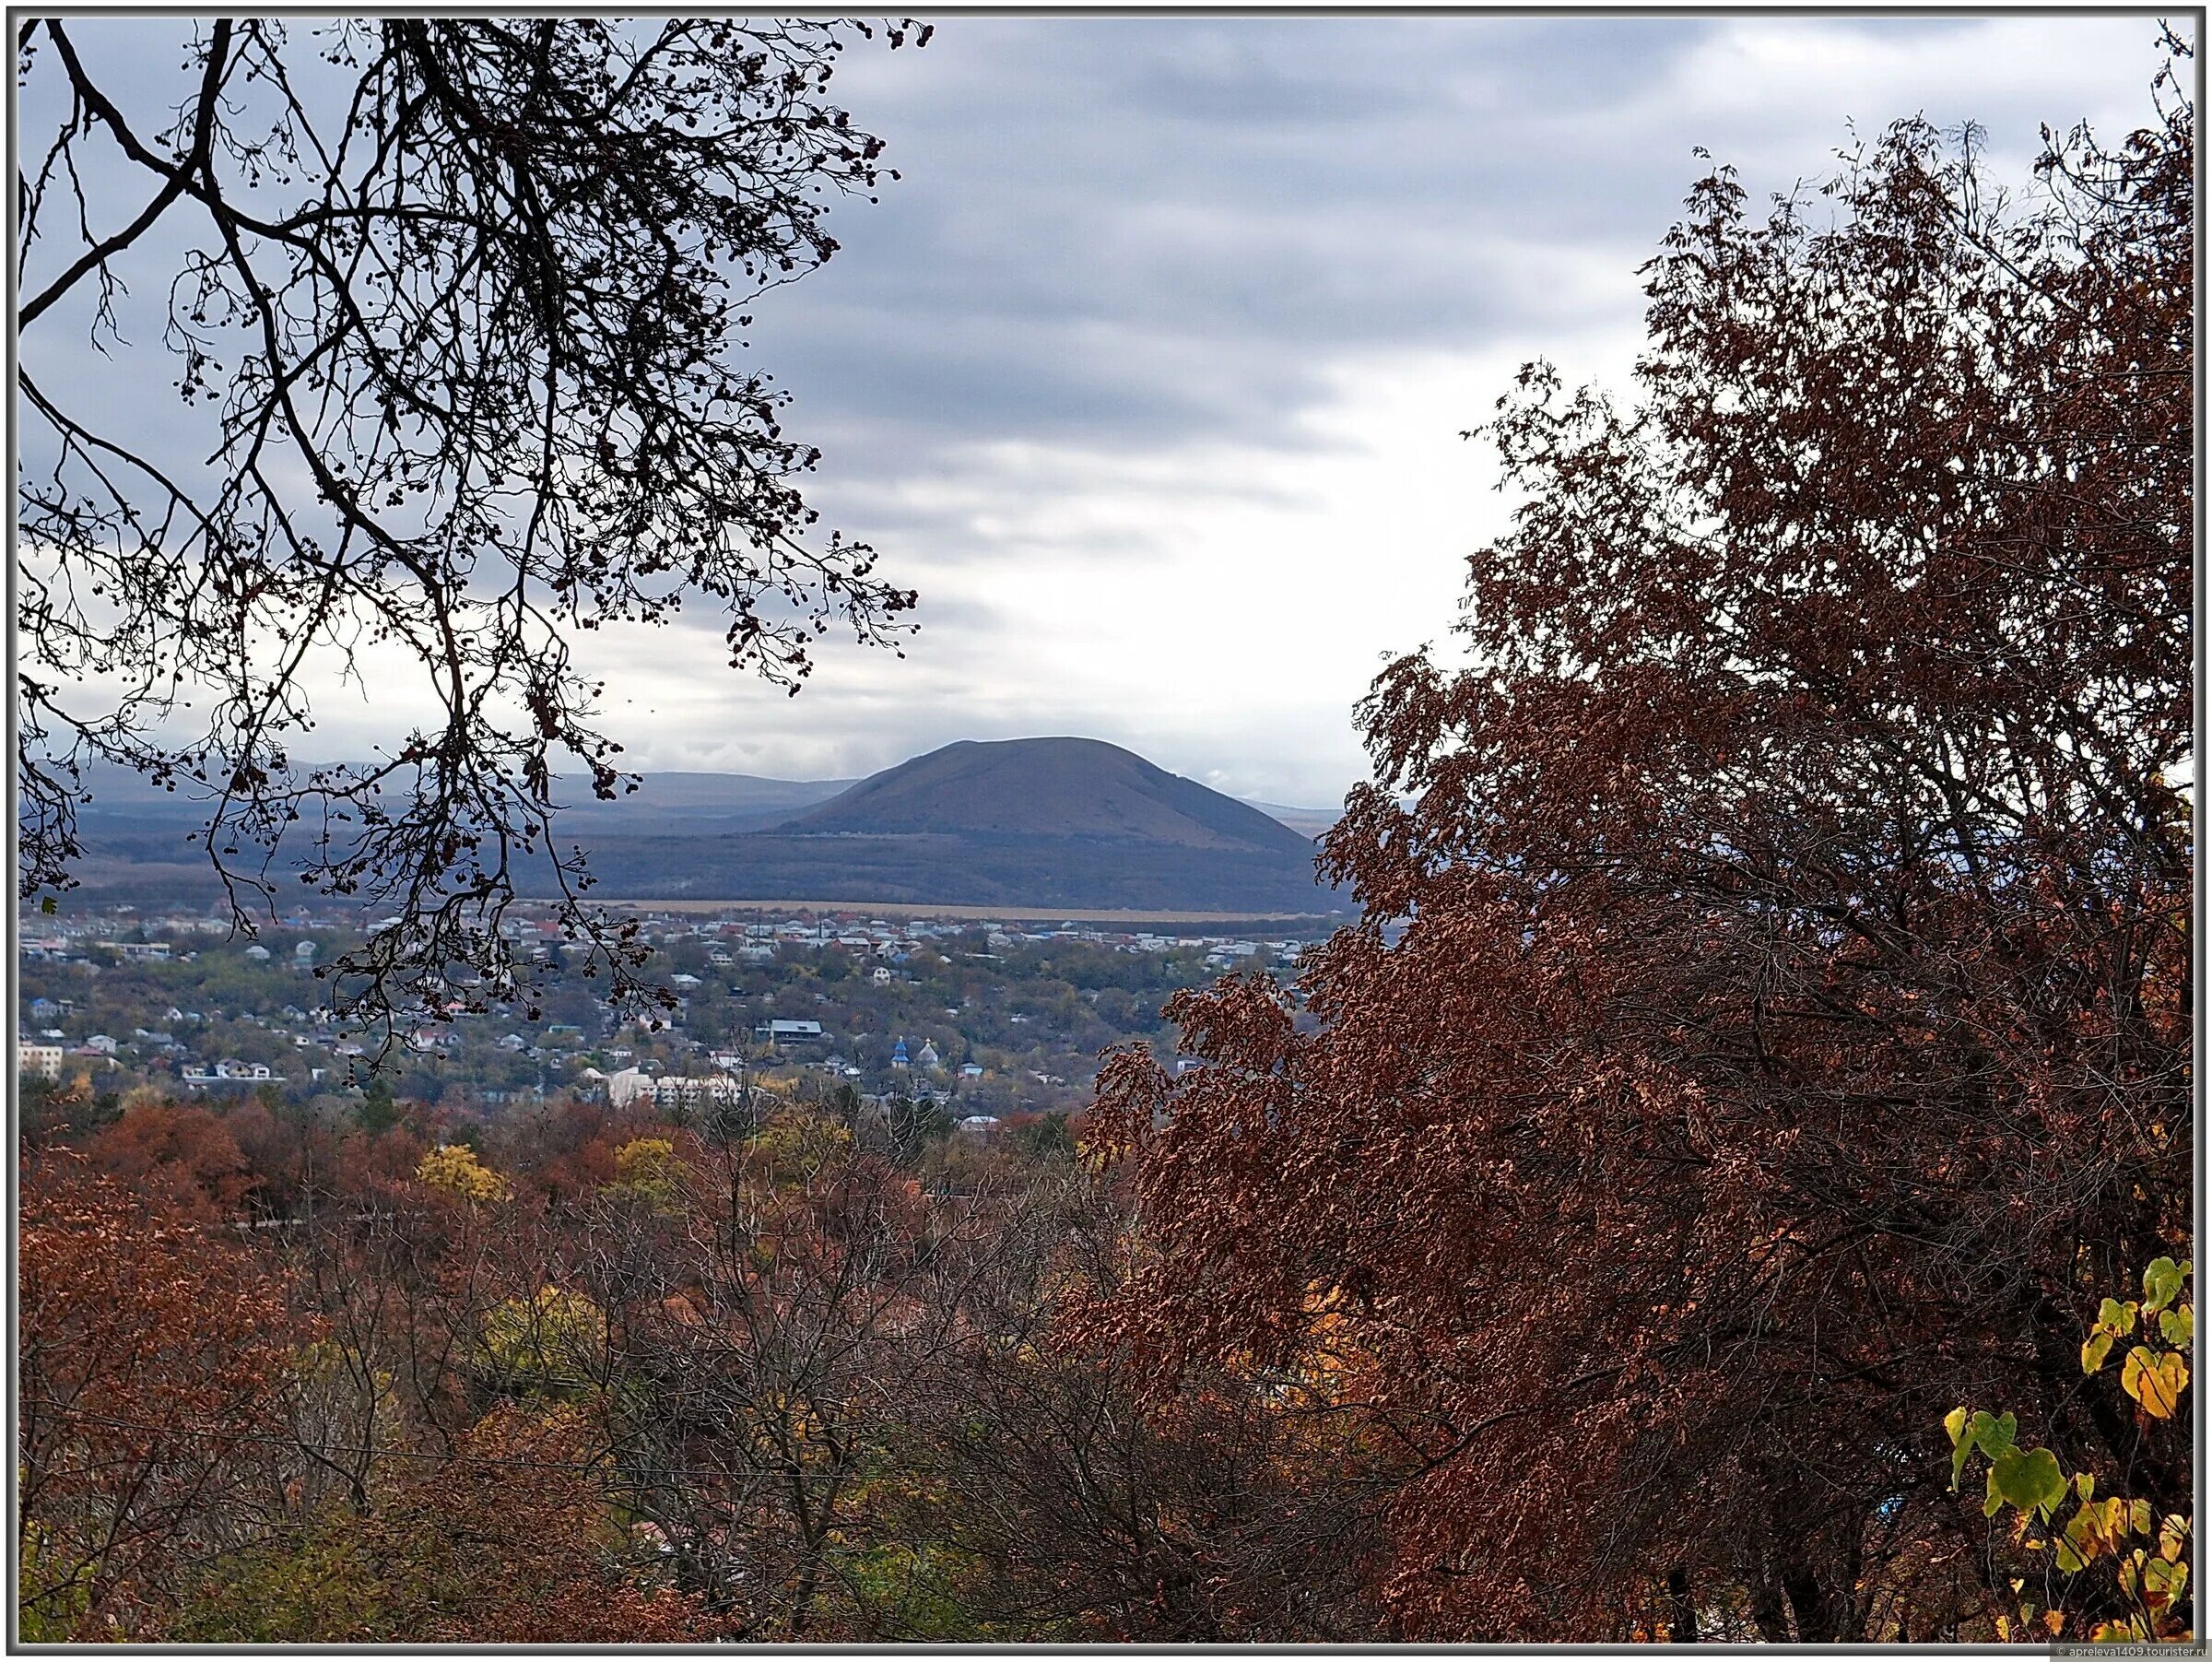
{"x": 184, "y": 1153}
{"x": 523, "y": 1520}
{"x": 514, "y": 1541}
{"x": 1769, "y": 1026}
{"x": 512, "y": 1537}
{"x": 151, "y": 1354}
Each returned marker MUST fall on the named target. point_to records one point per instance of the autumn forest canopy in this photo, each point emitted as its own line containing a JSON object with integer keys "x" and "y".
{"x": 1733, "y": 1181}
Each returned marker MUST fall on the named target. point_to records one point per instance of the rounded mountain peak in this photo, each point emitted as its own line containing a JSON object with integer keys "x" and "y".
{"x": 1049, "y": 787}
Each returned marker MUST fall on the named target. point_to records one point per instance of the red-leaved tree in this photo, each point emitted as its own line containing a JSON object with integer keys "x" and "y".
{"x": 152, "y": 1351}
{"x": 1770, "y": 1023}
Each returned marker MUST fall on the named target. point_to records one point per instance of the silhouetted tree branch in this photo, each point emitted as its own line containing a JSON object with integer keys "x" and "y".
{"x": 455, "y": 319}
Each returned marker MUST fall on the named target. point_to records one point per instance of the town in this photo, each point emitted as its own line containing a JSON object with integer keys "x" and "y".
{"x": 981, "y": 1022}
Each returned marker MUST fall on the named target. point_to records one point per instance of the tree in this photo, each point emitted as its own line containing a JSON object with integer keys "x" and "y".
{"x": 180, "y": 1151}
{"x": 1067, "y": 1488}
{"x": 378, "y": 1113}
{"x": 153, "y": 1354}
{"x": 647, "y": 1172}
{"x": 512, "y": 1540}
{"x": 454, "y": 322}
{"x": 770, "y": 1324}
{"x": 1769, "y": 1023}
{"x": 454, "y": 1167}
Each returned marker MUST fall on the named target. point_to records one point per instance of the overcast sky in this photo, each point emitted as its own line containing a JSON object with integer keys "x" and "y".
{"x": 1149, "y": 374}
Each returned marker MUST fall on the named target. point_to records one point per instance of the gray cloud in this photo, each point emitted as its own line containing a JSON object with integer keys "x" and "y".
{"x": 1170, "y": 320}
{"x": 1090, "y": 204}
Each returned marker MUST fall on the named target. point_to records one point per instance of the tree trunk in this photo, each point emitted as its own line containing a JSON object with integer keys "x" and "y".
{"x": 1810, "y": 1604}
{"x": 1765, "y": 1610}
{"x": 1684, "y": 1621}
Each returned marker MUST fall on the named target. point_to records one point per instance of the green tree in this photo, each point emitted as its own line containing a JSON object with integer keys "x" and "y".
{"x": 377, "y": 1113}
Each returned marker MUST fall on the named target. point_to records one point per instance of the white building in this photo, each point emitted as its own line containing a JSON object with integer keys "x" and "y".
{"x": 672, "y": 1091}
{"x": 626, "y": 1086}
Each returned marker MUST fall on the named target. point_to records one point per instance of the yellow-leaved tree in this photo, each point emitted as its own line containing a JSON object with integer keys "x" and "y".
{"x": 456, "y": 1168}
{"x": 647, "y": 1169}
{"x": 553, "y": 1343}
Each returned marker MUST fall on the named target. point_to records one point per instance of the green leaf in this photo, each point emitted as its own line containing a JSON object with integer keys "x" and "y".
{"x": 1955, "y": 1423}
{"x": 47, "y": 905}
{"x": 2069, "y": 1560}
{"x": 2178, "y": 1325}
{"x": 2085, "y": 1484}
{"x": 2161, "y": 1280}
{"x": 2116, "y": 1318}
{"x": 1992, "y": 1500}
{"x": 1990, "y": 1434}
{"x": 2094, "y": 1349}
{"x": 2030, "y": 1479}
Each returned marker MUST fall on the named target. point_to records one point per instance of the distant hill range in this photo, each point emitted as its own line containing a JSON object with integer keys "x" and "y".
{"x": 1033, "y": 822}
{"x": 698, "y": 804}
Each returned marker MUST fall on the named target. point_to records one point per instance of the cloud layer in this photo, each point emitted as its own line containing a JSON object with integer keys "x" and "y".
{"x": 1149, "y": 374}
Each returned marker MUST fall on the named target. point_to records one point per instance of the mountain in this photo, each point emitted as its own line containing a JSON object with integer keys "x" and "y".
{"x": 124, "y": 805}
{"x": 1034, "y": 821}
{"x": 1045, "y": 787}
{"x": 1054, "y": 822}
